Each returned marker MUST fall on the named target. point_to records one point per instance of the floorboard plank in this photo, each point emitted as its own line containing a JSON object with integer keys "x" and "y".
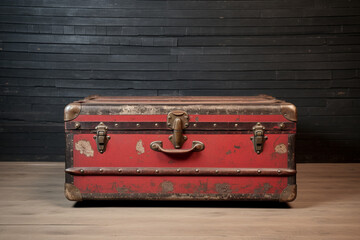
{"x": 32, "y": 206}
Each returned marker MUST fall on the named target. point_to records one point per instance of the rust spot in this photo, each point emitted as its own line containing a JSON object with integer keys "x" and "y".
{"x": 187, "y": 186}
{"x": 235, "y": 146}
{"x": 281, "y": 148}
{"x": 124, "y": 189}
{"x": 223, "y": 188}
{"x": 139, "y": 147}
{"x": 262, "y": 189}
{"x": 167, "y": 187}
{"x": 228, "y": 152}
{"x": 84, "y": 147}
{"x": 203, "y": 187}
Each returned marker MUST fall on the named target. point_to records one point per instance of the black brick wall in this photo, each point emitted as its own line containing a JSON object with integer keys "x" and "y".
{"x": 306, "y": 52}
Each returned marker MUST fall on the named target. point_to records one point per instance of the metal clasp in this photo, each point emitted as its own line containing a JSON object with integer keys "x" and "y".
{"x": 259, "y": 137}
{"x": 177, "y": 120}
{"x": 101, "y": 137}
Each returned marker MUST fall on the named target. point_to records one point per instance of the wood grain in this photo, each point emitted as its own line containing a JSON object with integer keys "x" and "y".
{"x": 32, "y": 206}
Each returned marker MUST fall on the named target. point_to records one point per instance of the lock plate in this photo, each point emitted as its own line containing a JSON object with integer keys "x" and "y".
{"x": 101, "y": 137}
{"x": 259, "y": 138}
{"x": 177, "y": 120}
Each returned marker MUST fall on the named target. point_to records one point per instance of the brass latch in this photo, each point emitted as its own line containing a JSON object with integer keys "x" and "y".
{"x": 101, "y": 137}
{"x": 259, "y": 137}
{"x": 177, "y": 120}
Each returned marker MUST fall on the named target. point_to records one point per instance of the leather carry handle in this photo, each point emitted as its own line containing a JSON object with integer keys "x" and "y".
{"x": 196, "y": 147}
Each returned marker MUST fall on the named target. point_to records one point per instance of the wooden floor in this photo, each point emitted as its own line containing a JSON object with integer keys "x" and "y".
{"x": 32, "y": 206}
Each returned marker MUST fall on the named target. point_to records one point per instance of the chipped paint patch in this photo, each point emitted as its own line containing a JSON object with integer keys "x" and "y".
{"x": 84, "y": 147}
{"x": 235, "y": 146}
{"x": 281, "y": 148}
{"x": 140, "y": 147}
{"x": 223, "y": 188}
{"x": 167, "y": 187}
{"x": 228, "y": 152}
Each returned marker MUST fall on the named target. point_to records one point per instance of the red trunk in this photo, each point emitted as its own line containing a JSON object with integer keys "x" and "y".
{"x": 219, "y": 149}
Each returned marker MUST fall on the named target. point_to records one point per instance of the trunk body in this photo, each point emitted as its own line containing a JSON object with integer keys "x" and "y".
{"x": 180, "y": 148}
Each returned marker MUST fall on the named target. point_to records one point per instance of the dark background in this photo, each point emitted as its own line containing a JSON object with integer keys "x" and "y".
{"x": 306, "y": 52}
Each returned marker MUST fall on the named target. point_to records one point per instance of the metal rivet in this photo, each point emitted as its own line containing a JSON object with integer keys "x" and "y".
{"x": 238, "y": 171}
{"x": 279, "y": 171}
{"x": 214, "y": 125}
{"x": 156, "y": 124}
{"x": 186, "y": 124}
{"x": 94, "y": 137}
{"x": 194, "y": 125}
{"x": 108, "y": 137}
{"x": 186, "y": 116}
{"x": 77, "y": 125}
{"x": 282, "y": 125}
{"x": 169, "y": 116}
{"x": 82, "y": 170}
{"x": 196, "y": 170}
{"x": 259, "y": 171}
{"x": 116, "y": 125}
{"x": 138, "y": 124}
{"x": 236, "y": 125}
{"x": 101, "y": 170}
{"x": 217, "y": 171}
{"x": 169, "y": 124}
{"x": 157, "y": 171}
{"x": 138, "y": 171}
{"x": 119, "y": 170}
{"x": 178, "y": 170}
{"x": 285, "y": 114}
{"x": 257, "y": 152}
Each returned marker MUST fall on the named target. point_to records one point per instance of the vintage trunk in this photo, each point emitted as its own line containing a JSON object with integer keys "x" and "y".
{"x": 180, "y": 148}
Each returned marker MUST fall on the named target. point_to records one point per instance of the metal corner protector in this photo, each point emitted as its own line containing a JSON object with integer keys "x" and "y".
{"x": 289, "y": 193}
{"x": 289, "y": 111}
{"x": 72, "y": 193}
{"x": 71, "y": 111}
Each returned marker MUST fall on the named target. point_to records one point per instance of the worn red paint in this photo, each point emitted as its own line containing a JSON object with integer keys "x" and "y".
{"x": 190, "y": 185}
{"x": 221, "y": 150}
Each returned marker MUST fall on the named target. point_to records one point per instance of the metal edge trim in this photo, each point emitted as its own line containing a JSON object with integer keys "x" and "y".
{"x": 72, "y": 193}
{"x": 289, "y": 111}
{"x": 151, "y": 171}
{"x": 180, "y": 196}
{"x": 71, "y": 111}
{"x": 289, "y": 193}
{"x": 69, "y": 161}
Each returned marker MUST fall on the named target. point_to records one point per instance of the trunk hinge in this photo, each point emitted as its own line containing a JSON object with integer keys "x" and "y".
{"x": 101, "y": 137}
{"x": 259, "y": 137}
